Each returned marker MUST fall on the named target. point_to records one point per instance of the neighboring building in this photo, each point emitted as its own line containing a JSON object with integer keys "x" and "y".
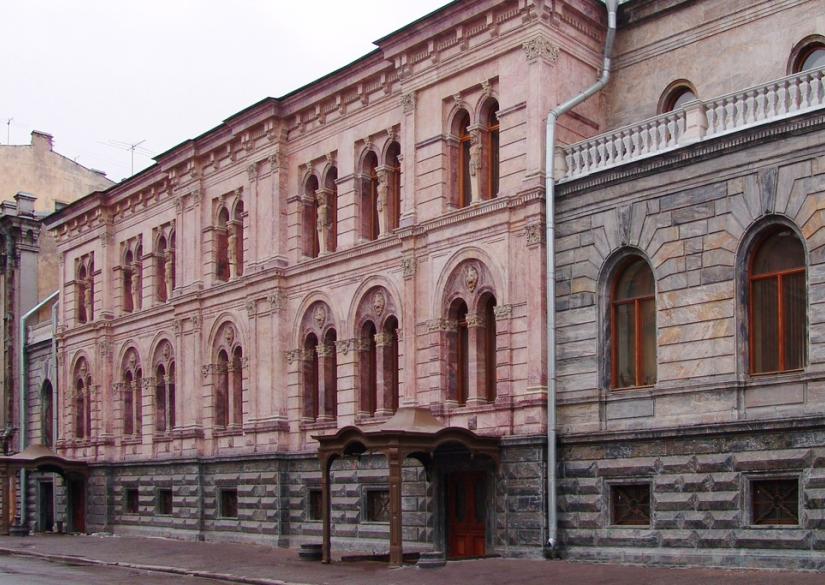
{"x": 374, "y": 242}
{"x": 55, "y": 179}
{"x": 39, "y": 180}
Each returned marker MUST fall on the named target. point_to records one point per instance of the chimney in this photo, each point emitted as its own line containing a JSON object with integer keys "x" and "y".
{"x": 25, "y": 203}
{"x": 41, "y": 140}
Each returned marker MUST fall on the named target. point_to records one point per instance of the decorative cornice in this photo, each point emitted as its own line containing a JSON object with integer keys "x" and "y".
{"x": 540, "y": 47}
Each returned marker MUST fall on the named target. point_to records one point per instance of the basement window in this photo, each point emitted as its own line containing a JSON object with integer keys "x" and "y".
{"x": 775, "y": 501}
{"x": 314, "y": 506}
{"x": 228, "y": 503}
{"x": 630, "y": 504}
{"x": 132, "y": 501}
{"x": 164, "y": 502}
{"x": 378, "y": 505}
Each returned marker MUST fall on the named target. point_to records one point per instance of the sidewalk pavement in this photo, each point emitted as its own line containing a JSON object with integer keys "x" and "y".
{"x": 262, "y": 565}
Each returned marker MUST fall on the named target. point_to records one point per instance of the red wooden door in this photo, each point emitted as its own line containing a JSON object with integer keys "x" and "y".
{"x": 466, "y": 513}
{"x": 77, "y": 489}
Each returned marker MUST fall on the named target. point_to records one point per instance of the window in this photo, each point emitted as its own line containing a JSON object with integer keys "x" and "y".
{"x": 465, "y": 139}
{"x": 487, "y": 346}
{"x": 328, "y": 212}
{"x": 82, "y": 400}
{"x": 228, "y": 501}
{"x": 809, "y": 54}
{"x": 236, "y": 254}
{"x": 222, "y": 245}
{"x": 630, "y": 504}
{"x": 237, "y": 386}
{"x": 46, "y": 414}
{"x": 458, "y": 348}
{"x": 310, "y": 375}
{"x": 392, "y": 176}
{"x": 165, "y": 268}
{"x": 132, "y": 501}
{"x": 378, "y": 505}
{"x": 314, "y": 505}
{"x": 775, "y": 501}
{"x": 84, "y": 288}
{"x": 164, "y": 502}
{"x": 676, "y": 96}
{"x": 778, "y": 303}
{"x": 492, "y": 150}
{"x": 369, "y": 197}
{"x": 390, "y": 364}
{"x": 633, "y": 325}
{"x": 131, "y": 388}
{"x": 311, "y": 245}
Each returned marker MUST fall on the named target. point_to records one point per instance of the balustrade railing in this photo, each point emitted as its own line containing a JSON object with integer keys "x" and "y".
{"x": 698, "y": 120}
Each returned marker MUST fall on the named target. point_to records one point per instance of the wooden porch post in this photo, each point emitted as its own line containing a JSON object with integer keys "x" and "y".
{"x": 394, "y": 461}
{"x": 326, "y": 550}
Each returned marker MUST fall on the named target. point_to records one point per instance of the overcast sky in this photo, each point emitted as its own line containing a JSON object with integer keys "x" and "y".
{"x": 94, "y": 73}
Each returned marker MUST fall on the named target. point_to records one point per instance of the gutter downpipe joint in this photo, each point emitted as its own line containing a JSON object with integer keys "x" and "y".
{"x": 551, "y": 545}
{"x": 23, "y": 388}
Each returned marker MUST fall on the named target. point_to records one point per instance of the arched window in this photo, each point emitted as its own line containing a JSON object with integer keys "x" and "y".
{"x": 329, "y": 223}
{"x": 47, "y": 414}
{"x": 778, "y": 303}
{"x": 132, "y": 394}
{"x": 222, "y": 245}
{"x": 369, "y": 197}
{"x": 222, "y": 391}
{"x": 633, "y": 325}
{"x": 310, "y": 375}
{"x": 809, "y": 54}
{"x": 82, "y": 400}
{"x": 311, "y": 247}
{"x": 236, "y": 256}
{"x": 390, "y": 363}
{"x": 492, "y": 150}
{"x": 458, "y": 353}
{"x": 164, "y": 388}
{"x": 393, "y": 178}
{"x": 487, "y": 348}
{"x": 676, "y": 96}
{"x": 463, "y": 180}
{"x": 368, "y": 365}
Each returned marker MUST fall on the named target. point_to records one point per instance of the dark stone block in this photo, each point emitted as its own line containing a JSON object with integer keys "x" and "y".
{"x": 695, "y": 196}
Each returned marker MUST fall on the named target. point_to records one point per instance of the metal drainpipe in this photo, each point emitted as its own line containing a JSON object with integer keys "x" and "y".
{"x": 23, "y": 388}
{"x": 55, "y": 407}
{"x": 549, "y": 222}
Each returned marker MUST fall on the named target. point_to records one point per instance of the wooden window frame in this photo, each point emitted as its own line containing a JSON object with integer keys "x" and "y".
{"x": 779, "y": 276}
{"x": 637, "y": 319}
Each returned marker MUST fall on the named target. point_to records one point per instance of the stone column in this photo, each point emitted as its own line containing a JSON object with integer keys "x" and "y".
{"x": 476, "y": 165}
{"x": 232, "y": 250}
{"x": 383, "y": 401}
{"x": 309, "y": 399}
{"x": 136, "y": 287}
{"x": 407, "y": 194}
{"x": 475, "y": 350}
{"x": 362, "y": 347}
{"x": 382, "y": 202}
{"x": 4, "y": 495}
{"x": 322, "y": 221}
{"x": 325, "y": 355}
{"x": 169, "y": 271}
{"x": 87, "y": 297}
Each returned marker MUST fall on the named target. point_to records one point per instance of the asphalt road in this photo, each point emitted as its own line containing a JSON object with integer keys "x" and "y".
{"x": 30, "y": 571}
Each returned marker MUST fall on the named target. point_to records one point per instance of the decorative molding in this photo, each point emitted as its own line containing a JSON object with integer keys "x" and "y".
{"x": 475, "y": 320}
{"x": 277, "y": 301}
{"x": 252, "y": 171}
{"x": 534, "y": 233}
{"x": 293, "y": 355}
{"x": 408, "y": 267}
{"x": 540, "y": 47}
{"x": 503, "y": 312}
{"x": 343, "y": 346}
{"x": 251, "y": 305}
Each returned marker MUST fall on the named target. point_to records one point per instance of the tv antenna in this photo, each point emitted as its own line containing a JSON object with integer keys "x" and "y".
{"x": 131, "y": 147}
{"x": 8, "y": 130}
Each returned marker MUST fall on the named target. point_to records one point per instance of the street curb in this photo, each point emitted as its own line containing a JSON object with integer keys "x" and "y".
{"x": 153, "y": 568}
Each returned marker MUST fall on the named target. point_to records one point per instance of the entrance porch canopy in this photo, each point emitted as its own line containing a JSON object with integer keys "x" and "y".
{"x": 411, "y": 432}
{"x": 35, "y": 458}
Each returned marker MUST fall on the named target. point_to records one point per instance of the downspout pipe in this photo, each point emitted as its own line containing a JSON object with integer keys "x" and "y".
{"x": 23, "y": 388}
{"x": 550, "y": 247}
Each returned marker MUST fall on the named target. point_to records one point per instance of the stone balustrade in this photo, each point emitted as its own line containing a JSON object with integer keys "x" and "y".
{"x": 698, "y": 120}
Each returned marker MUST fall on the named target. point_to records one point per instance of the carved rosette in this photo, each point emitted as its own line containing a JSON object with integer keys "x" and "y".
{"x": 379, "y": 303}
{"x": 319, "y": 315}
{"x": 471, "y": 278}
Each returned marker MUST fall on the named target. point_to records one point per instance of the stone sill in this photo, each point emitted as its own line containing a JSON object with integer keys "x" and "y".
{"x": 228, "y": 432}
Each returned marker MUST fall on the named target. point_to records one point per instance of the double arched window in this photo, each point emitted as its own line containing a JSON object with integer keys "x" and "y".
{"x": 476, "y": 159}
{"x": 378, "y": 357}
{"x": 777, "y": 302}
{"x": 229, "y": 241}
{"x": 165, "y": 266}
{"x": 85, "y": 288}
{"x": 633, "y": 325}
{"x": 370, "y": 228}
{"x": 164, "y": 388}
{"x": 228, "y": 380}
{"x": 132, "y": 392}
{"x": 319, "y": 366}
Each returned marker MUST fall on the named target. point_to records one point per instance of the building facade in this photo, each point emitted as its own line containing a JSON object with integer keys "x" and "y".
{"x": 375, "y": 241}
